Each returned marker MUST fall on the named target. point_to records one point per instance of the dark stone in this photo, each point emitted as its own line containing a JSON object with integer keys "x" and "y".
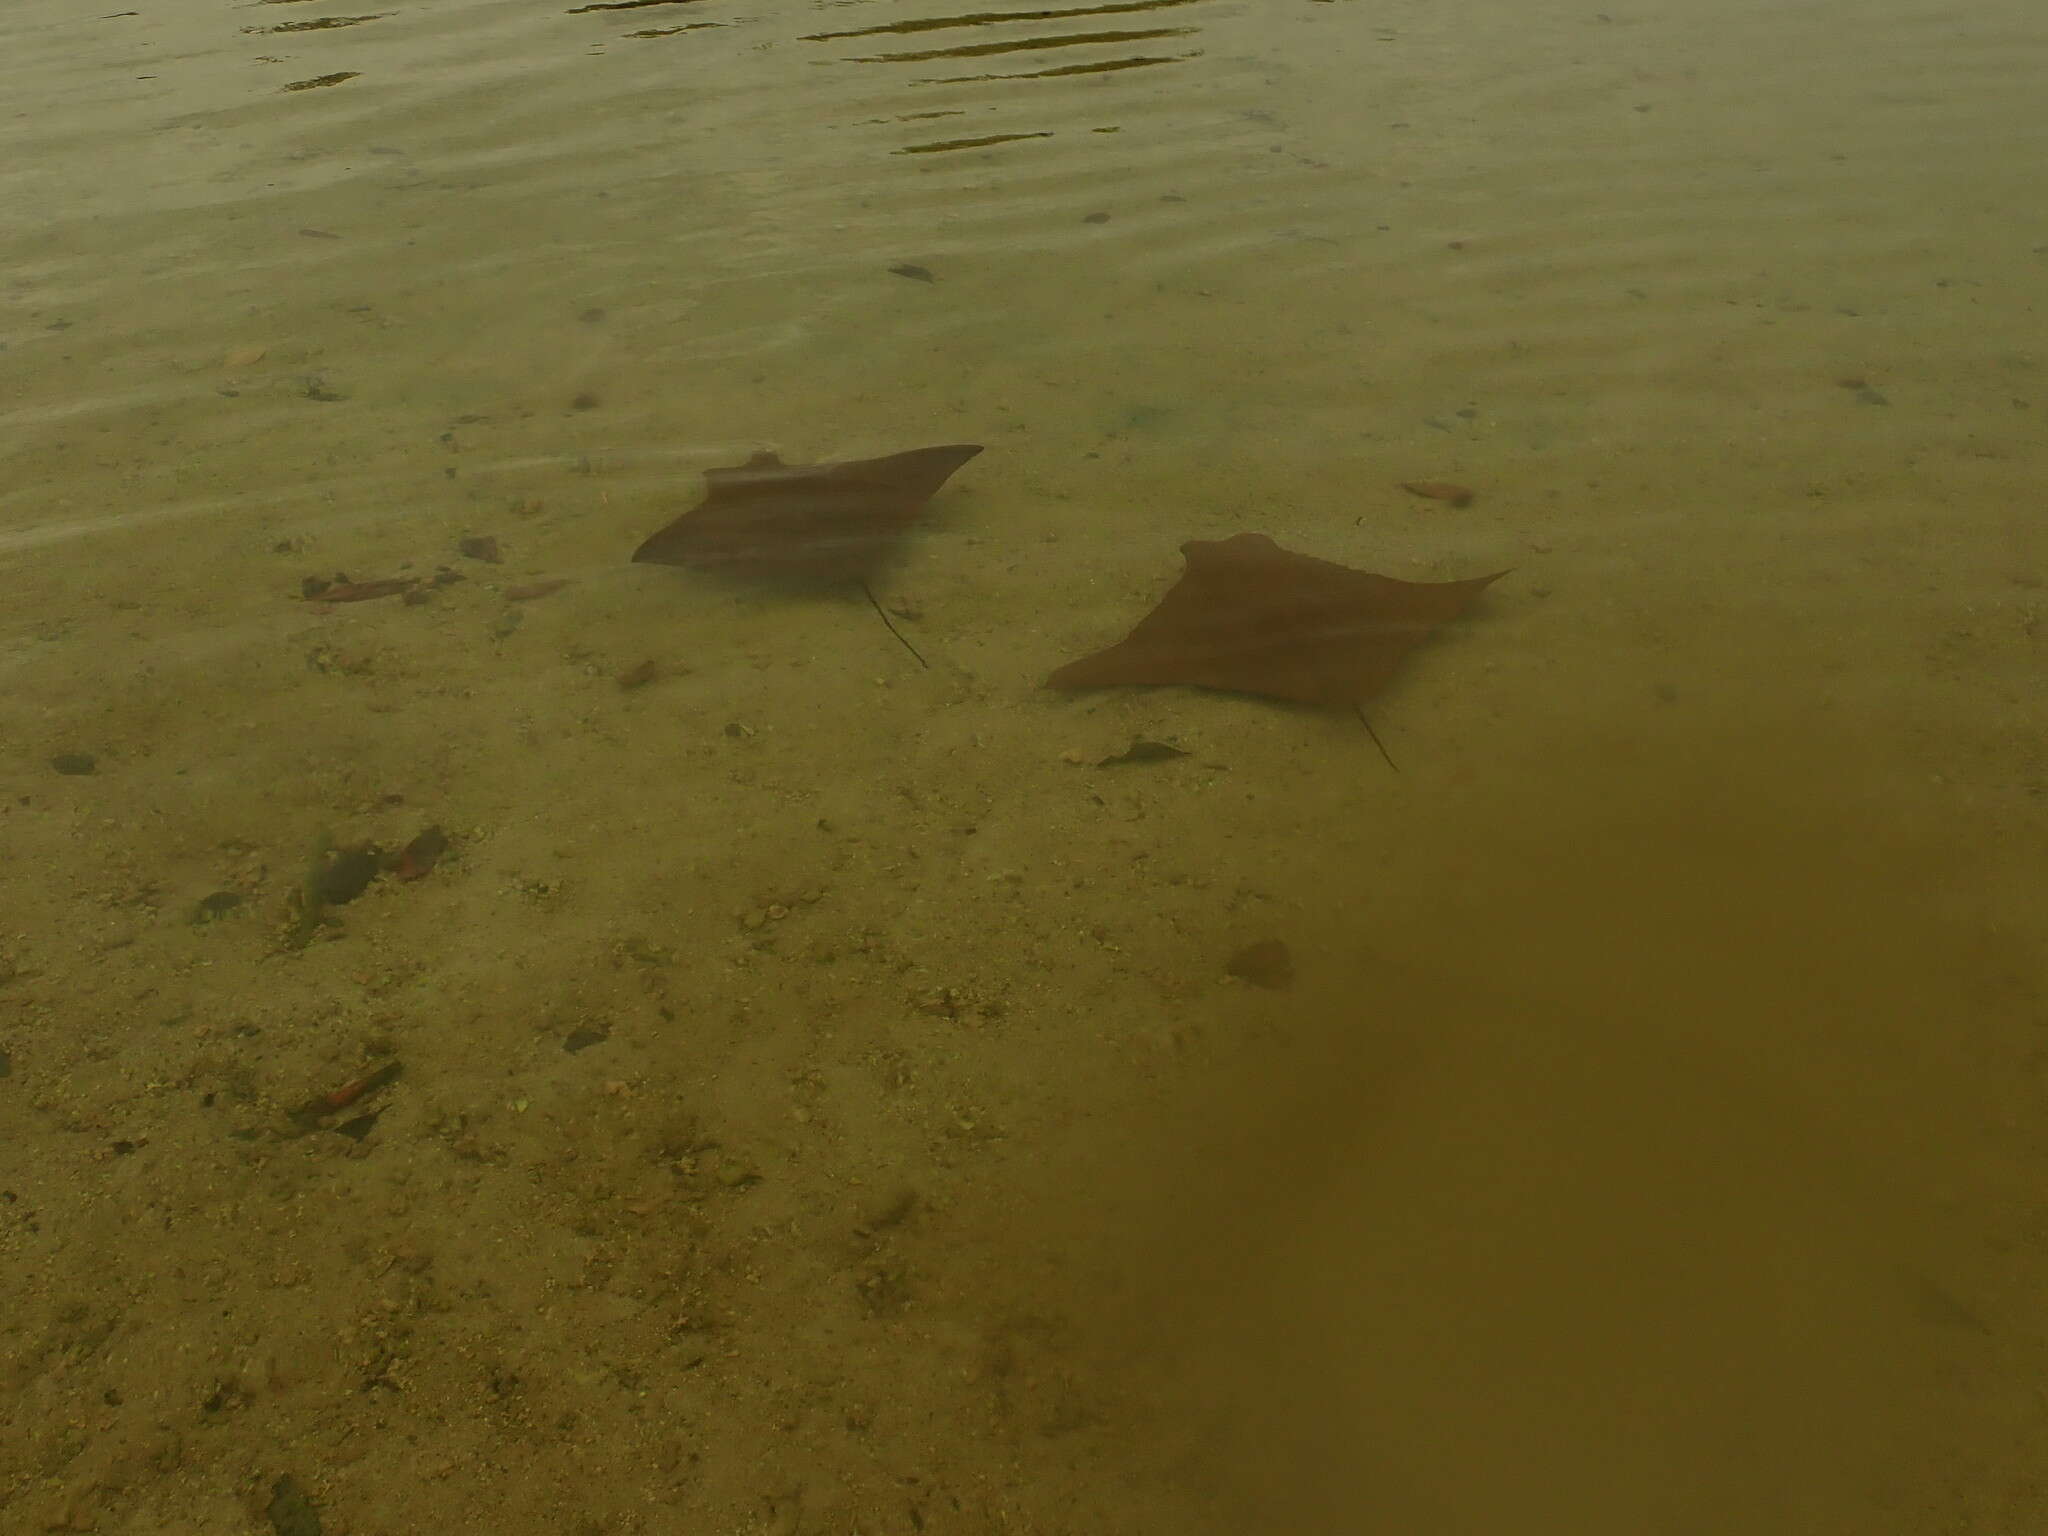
{"x": 347, "y": 873}
{"x": 1268, "y": 963}
{"x": 216, "y": 906}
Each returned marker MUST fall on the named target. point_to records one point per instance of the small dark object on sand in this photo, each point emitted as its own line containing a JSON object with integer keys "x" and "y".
{"x": 1268, "y": 963}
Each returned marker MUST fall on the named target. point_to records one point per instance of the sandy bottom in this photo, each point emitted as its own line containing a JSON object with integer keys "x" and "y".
{"x": 793, "y": 1091}
{"x": 1641, "y": 1144}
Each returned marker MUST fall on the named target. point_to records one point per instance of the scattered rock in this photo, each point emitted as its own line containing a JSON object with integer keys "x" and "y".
{"x": 644, "y": 951}
{"x": 75, "y": 763}
{"x": 320, "y": 589}
{"x": 890, "y": 1208}
{"x": 734, "y": 1173}
{"x": 756, "y": 918}
{"x": 346, "y": 873}
{"x": 419, "y": 856}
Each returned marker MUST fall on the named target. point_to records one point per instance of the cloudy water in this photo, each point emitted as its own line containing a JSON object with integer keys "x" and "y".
{"x": 500, "y": 1035}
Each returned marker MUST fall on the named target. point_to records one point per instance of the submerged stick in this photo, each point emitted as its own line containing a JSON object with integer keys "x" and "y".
{"x": 882, "y": 614}
{"x": 1375, "y": 735}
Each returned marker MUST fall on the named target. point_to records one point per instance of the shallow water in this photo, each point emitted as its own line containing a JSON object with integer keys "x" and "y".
{"x": 822, "y": 1103}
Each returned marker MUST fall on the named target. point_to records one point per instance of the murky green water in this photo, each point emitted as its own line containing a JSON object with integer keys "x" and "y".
{"x": 574, "y": 1044}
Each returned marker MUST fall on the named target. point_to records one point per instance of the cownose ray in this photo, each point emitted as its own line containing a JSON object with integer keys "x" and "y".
{"x": 807, "y": 523}
{"x": 1248, "y": 616}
